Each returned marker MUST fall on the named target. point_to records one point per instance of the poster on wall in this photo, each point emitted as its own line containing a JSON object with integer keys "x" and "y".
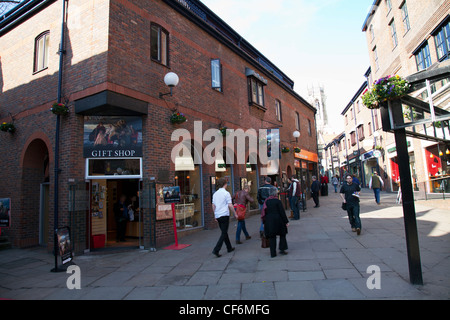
{"x": 64, "y": 245}
{"x": 172, "y": 194}
{"x": 112, "y": 137}
{"x": 5, "y": 212}
{"x": 163, "y": 210}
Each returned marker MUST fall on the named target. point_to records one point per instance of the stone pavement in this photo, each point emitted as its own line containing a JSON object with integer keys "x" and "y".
{"x": 326, "y": 260}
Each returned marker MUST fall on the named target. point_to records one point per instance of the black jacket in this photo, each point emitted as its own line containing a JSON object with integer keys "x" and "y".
{"x": 315, "y": 187}
{"x": 264, "y": 192}
{"x": 275, "y": 219}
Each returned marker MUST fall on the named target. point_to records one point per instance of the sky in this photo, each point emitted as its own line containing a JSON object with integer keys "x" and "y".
{"x": 311, "y": 41}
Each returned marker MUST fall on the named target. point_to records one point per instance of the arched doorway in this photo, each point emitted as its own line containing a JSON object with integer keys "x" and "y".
{"x": 35, "y": 194}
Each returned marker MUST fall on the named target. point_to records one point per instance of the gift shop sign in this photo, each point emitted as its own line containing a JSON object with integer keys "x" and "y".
{"x": 112, "y": 137}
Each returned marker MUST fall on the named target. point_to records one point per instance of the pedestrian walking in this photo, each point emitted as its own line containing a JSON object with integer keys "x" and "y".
{"x": 222, "y": 205}
{"x": 398, "y": 200}
{"x": 335, "y": 182}
{"x": 241, "y": 198}
{"x": 315, "y": 187}
{"x": 350, "y": 195}
{"x": 324, "y": 185}
{"x": 376, "y": 183}
{"x": 294, "y": 194}
{"x": 275, "y": 223}
{"x": 263, "y": 193}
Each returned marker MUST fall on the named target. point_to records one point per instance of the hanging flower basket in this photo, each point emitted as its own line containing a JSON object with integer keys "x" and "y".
{"x": 379, "y": 148}
{"x": 223, "y": 130}
{"x": 297, "y": 150}
{"x": 60, "y": 109}
{"x": 8, "y": 127}
{"x": 384, "y": 89}
{"x": 285, "y": 150}
{"x": 177, "y": 117}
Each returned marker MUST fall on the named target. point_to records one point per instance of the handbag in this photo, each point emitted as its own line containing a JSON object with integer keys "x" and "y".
{"x": 264, "y": 242}
{"x": 240, "y": 211}
{"x": 344, "y": 206}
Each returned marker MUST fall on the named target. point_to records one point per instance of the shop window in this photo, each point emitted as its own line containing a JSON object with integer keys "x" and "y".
{"x": 41, "y": 47}
{"x": 251, "y": 180}
{"x": 129, "y": 168}
{"x": 159, "y": 44}
{"x": 189, "y": 210}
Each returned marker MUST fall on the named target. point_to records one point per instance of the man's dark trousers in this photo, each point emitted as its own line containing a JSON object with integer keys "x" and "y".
{"x": 224, "y": 222}
{"x": 315, "y": 196}
{"x": 353, "y": 215}
{"x": 295, "y": 208}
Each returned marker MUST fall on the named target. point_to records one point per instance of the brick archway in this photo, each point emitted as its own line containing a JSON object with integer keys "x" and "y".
{"x": 35, "y": 163}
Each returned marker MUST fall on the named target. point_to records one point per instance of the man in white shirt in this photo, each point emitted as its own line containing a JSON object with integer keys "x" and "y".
{"x": 222, "y": 205}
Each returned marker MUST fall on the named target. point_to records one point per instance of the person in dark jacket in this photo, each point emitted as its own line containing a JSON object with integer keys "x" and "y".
{"x": 275, "y": 223}
{"x": 263, "y": 193}
{"x": 350, "y": 196}
{"x": 315, "y": 187}
{"x": 121, "y": 217}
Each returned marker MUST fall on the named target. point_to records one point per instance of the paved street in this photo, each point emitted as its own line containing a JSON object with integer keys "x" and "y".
{"x": 326, "y": 260}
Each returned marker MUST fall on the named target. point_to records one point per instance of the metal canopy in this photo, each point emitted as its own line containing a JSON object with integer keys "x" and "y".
{"x": 425, "y": 112}
{"x": 422, "y": 114}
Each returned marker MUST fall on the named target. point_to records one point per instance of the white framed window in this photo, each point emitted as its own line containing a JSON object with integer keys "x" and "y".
{"x": 41, "y": 46}
{"x": 113, "y": 168}
{"x": 216, "y": 75}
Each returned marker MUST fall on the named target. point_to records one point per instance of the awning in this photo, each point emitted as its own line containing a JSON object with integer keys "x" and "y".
{"x": 111, "y": 104}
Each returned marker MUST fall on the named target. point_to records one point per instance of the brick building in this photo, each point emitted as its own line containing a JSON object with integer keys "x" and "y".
{"x": 406, "y": 38}
{"x": 116, "y": 138}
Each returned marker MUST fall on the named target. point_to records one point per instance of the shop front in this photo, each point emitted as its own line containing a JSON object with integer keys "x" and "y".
{"x": 306, "y": 166}
{"x": 112, "y": 147}
{"x": 370, "y": 165}
{"x": 393, "y": 167}
{"x": 437, "y": 158}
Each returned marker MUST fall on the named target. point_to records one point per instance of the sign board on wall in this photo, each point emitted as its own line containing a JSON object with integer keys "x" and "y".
{"x": 112, "y": 137}
{"x": 5, "y": 213}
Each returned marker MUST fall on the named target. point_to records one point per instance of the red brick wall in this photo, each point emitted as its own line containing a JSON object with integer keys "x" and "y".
{"x": 110, "y": 50}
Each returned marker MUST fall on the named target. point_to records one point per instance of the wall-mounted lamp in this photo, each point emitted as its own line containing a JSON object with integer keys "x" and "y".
{"x": 296, "y": 135}
{"x": 171, "y": 80}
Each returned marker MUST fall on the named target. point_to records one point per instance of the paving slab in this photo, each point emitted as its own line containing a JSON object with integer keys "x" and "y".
{"x": 325, "y": 260}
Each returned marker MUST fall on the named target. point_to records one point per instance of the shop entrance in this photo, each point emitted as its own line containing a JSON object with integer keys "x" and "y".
{"x": 115, "y": 224}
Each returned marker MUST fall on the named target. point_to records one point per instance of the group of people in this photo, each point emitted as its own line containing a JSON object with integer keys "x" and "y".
{"x": 273, "y": 216}
{"x": 274, "y": 221}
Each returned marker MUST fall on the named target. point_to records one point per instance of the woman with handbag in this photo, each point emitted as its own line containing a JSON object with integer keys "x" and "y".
{"x": 275, "y": 224}
{"x": 241, "y": 198}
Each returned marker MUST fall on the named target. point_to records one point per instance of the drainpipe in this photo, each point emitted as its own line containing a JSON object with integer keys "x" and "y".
{"x": 61, "y": 53}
